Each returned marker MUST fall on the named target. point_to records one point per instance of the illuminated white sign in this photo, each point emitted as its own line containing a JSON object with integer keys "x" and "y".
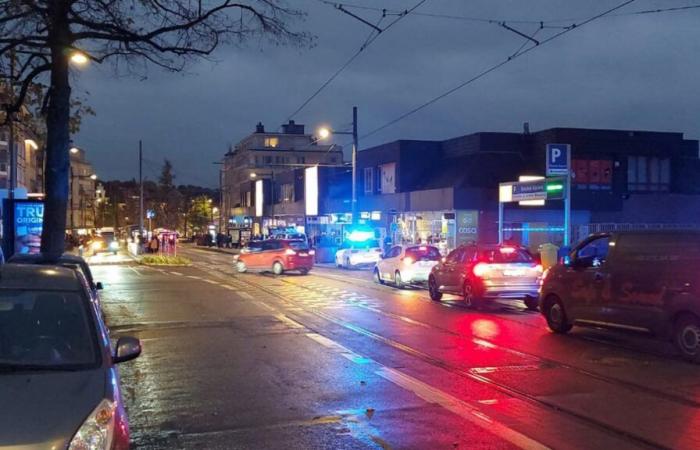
{"x": 311, "y": 190}
{"x": 259, "y": 198}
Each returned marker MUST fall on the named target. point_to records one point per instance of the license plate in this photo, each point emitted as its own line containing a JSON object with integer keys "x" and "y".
{"x": 303, "y": 254}
{"x": 513, "y": 273}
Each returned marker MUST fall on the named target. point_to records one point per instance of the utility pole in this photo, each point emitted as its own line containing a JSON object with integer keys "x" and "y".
{"x": 140, "y": 188}
{"x": 355, "y": 145}
{"x": 71, "y": 197}
{"x": 11, "y": 140}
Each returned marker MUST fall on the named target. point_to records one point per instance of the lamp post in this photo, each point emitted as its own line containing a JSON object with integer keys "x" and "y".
{"x": 325, "y": 133}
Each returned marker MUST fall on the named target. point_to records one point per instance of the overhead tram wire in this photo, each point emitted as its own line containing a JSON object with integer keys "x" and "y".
{"x": 496, "y": 67}
{"x": 546, "y": 23}
{"x": 370, "y": 39}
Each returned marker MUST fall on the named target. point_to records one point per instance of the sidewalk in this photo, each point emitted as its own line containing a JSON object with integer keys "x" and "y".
{"x": 228, "y": 251}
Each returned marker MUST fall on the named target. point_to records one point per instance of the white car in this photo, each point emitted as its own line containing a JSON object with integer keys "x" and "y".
{"x": 358, "y": 254}
{"x": 405, "y": 265}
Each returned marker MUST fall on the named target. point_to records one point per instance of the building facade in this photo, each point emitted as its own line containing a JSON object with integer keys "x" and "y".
{"x": 270, "y": 162}
{"x": 82, "y": 195}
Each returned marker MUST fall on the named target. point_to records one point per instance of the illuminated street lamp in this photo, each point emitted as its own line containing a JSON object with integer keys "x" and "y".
{"x": 253, "y": 175}
{"x": 79, "y": 58}
{"x": 93, "y": 177}
{"x": 325, "y": 133}
{"x": 74, "y": 150}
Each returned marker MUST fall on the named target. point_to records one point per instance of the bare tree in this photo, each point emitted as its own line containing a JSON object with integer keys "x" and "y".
{"x": 38, "y": 38}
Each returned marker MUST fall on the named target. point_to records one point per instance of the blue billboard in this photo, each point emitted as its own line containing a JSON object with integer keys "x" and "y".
{"x": 27, "y": 223}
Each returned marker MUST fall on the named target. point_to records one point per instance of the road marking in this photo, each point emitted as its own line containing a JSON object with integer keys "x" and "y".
{"x": 459, "y": 407}
{"x": 344, "y": 351}
{"x": 194, "y": 277}
{"x": 266, "y": 306}
{"x": 245, "y": 295}
{"x": 291, "y": 323}
{"x": 176, "y": 273}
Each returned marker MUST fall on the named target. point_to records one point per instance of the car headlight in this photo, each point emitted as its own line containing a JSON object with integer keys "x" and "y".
{"x": 97, "y": 245}
{"x": 114, "y": 245}
{"x": 97, "y": 432}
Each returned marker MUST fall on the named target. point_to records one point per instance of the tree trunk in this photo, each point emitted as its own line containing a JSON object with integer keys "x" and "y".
{"x": 57, "y": 143}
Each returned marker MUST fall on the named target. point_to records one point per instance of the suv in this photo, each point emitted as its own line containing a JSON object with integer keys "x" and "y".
{"x": 481, "y": 273}
{"x": 636, "y": 280}
{"x": 277, "y": 255}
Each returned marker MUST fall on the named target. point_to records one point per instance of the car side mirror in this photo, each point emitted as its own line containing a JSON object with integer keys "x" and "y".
{"x": 128, "y": 348}
{"x": 99, "y": 286}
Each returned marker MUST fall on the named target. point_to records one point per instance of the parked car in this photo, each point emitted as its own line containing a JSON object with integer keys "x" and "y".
{"x": 57, "y": 366}
{"x": 358, "y": 254}
{"x": 639, "y": 281}
{"x": 276, "y": 255}
{"x": 486, "y": 273}
{"x": 66, "y": 260}
{"x": 405, "y": 265}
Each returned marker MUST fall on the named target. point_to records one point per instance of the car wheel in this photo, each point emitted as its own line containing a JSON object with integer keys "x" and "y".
{"x": 377, "y": 277}
{"x": 470, "y": 300}
{"x": 556, "y": 316}
{"x": 277, "y": 268}
{"x": 433, "y": 290}
{"x": 304, "y": 271}
{"x": 346, "y": 263}
{"x": 398, "y": 281}
{"x": 531, "y": 303}
{"x": 686, "y": 336}
{"x": 241, "y": 267}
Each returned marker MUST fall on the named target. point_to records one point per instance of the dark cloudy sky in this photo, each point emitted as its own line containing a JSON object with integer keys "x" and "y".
{"x": 626, "y": 71}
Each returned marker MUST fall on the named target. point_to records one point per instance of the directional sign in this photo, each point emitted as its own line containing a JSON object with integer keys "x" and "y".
{"x": 529, "y": 190}
{"x": 555, "y": 188}
{"x": 558, "y": 157}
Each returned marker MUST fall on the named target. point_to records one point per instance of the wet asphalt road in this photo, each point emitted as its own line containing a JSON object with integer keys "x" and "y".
{"x": 331, "y": 360}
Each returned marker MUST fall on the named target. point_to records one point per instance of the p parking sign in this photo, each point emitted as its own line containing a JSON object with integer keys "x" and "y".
{"x": 558, "y": 157}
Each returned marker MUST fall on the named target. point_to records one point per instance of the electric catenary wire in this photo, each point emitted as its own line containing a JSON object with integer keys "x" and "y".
{"x": 370, "y": 39}
{"x": 494, "y": 68}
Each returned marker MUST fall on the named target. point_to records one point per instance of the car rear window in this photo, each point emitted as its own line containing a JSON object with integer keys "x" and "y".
{"x": 298, "y": 245}
{"x": 504, "y": 255}
{"x": 423, "y": 253}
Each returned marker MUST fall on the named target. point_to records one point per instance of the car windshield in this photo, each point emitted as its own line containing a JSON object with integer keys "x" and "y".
{"x": 505, "y": 255}
{"x": 42, "y": 329}
{"x": 423, "y": 253}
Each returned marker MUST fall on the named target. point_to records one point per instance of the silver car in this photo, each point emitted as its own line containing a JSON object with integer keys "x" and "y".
{"x": 59, "y": 387}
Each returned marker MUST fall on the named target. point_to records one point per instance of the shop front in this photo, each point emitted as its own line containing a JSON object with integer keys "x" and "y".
{"x": 444, "y": 229}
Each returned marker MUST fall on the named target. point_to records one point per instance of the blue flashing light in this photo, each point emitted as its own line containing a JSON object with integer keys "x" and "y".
{"x": 360, "y": 235}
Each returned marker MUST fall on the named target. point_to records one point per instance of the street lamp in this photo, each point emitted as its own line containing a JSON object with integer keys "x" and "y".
{"x": 325, "y": 133}
{"x": 79, "y": 58}
{"x": 74, "y": 150}
{"x": 253, "y": 175}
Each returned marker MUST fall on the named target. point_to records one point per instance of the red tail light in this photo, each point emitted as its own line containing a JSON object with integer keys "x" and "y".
{"x": 481, "y": 270}
{"x": 539, "y": 268}
{"x": 290, "y": 252}
{"x": 312, "y": 252}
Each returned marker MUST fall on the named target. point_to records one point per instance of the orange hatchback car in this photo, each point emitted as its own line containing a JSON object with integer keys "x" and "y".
{"x": 276, "y": 255}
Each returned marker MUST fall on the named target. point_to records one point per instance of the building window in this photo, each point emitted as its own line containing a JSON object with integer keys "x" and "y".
{"x": 369, "y": 180}
{"x": 648, "y": 174}
{"x": 301, "y": 160}
{"x": 267, "y": 159}
{"x": 272, "y": 142}
{"x": 248, "y": 199}
{"x": 3, "y": 167}
{"x": 287, "y": 193}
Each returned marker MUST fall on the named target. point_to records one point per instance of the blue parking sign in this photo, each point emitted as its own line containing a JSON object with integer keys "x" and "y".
{"x": 558, "y": 157}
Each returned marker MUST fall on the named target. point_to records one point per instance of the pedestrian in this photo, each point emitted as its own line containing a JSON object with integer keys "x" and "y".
{"x": 153, "y": 246}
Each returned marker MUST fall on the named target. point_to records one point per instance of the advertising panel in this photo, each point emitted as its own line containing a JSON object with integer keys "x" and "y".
{"x": 467, "y": 226}
{"x": 27, "y": 223}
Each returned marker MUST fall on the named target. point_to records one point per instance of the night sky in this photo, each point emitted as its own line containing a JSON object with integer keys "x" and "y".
{"x": 625, "y": 71}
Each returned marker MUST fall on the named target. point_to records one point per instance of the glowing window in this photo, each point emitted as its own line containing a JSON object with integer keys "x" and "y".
{"x": 272, "y": 142}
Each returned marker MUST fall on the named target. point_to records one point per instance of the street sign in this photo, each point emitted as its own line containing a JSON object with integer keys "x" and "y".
{"x": 558, "y": 157}
{"x": 150, "y": 214}
{"x": 529, "y": 190}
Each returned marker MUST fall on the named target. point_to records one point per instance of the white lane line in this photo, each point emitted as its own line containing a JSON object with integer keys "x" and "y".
{"x": 436, "y": 396}
{"x": 459, "y": 407}
{"x": 265, "y": 305}
{"x": 194, "y": 277}
{"x": 291, "y": 323}
{"x": 344, "y": 351}
{"x": 176, "y": 274}
{"x": 245, "y": 295}
{"x": 210, "y": 281}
